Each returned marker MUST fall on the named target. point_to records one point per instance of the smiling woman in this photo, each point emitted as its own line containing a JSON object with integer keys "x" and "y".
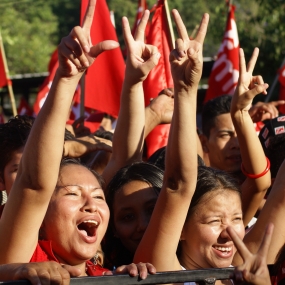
{"x": 62, "y": 200}
{"x": 78, "y": 196}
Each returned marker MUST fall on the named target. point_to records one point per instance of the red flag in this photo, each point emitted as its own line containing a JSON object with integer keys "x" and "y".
{"x": 104, "y": 79}
{"x": 160, "y": 77}
{"x": 44, "y": 89}
{"x": 3, "y": 77}
{"x": 282, "y": 88}
{"x": 225, "y": 72}
{"x": 24, "y": 108}
{"x": 142, "y": 6}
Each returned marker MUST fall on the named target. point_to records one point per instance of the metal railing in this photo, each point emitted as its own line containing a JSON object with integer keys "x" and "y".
{"x": 203, "y": 276}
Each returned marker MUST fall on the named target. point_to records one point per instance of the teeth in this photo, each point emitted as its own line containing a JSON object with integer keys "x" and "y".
{"x": 223, "y": 248}
{"x": 91, "y": 222}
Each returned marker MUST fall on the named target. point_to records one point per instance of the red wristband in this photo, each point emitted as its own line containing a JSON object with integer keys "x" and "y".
{"x": 255, "y": 176}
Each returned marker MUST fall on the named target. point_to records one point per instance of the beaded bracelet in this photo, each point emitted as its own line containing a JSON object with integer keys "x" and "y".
{"x": 255, "y": 176}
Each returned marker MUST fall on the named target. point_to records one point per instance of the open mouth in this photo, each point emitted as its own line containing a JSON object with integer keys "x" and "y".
{"x": 88, "y": 228}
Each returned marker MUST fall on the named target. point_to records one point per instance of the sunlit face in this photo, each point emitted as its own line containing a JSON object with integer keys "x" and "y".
{"x": 133, "y": 206}
{"x": 11, "y": 169}
{"x": 205, "y": 242}
{"x": 77, "y": 216}
{"x": 222, "y": 145}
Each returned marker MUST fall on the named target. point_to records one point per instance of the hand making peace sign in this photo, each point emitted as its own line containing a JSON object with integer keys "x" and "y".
{"x": 76, "y": 52}
{"x": 142, "y": 58}
{"x": 254, "y": 269}
{"x": 248, "y": 85}
{"x": 187, "y": 58}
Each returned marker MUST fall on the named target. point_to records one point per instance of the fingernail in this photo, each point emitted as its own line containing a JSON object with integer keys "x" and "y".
{"x": 158, "y": 55}
{"x": 182, "y": 53}
{"x": 86, "y": 63}
{"x": 143, "y": 276}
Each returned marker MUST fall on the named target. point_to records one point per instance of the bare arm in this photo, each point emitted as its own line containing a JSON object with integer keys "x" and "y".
{"x": 253, "y": 158}
{"x": 159, "y": 111}
{"x": 273, "y": 212}
{"x": 39, "y": 167}
{"x": 181, "y": 159}
{"x": 129, "y": 133}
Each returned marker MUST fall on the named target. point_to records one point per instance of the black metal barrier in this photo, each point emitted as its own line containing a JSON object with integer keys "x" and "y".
{"x": 202, "y": 276}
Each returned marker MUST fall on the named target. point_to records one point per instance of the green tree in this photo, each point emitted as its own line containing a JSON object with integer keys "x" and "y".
{"x": 28, "y": 31}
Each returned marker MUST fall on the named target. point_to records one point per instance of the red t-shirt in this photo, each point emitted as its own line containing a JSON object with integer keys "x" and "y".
{"x": 43, "y": 252}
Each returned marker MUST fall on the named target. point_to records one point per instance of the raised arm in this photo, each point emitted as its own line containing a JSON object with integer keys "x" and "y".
{"x": 253, "y": 158}
{"x": 272, "y": 212}
{"x": 129, "y": 133}
{"x": 159, "y": 243}
{"x": 39, "y": 167}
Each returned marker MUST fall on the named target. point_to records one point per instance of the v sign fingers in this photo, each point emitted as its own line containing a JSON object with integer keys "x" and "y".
{"x": 187, "y": 58}
{"x": 76, "y": 52}
{"x": 248, "y": 85}
{"x": 142, "y": 58}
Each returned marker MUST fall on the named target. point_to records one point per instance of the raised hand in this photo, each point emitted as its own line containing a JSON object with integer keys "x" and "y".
{"x": 248, "y": 85}
{"x": 76, "y": 52}
{"x": 142, "y": 58}
{"x": 254, "y": 269}
{"x": 187, "y": 59}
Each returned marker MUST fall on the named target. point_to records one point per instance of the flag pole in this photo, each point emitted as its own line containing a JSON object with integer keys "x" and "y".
{"x": 272, "y": 87}
{"x": 170, "y": 26}
{"x": 9, "y": 82}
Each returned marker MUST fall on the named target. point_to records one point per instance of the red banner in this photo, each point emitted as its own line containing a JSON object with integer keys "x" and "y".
{"x": 3, "y": 79}
{"x": 225, "y": 72}
{"x": 160, "y": 77}
{"x": 104, "y": 79}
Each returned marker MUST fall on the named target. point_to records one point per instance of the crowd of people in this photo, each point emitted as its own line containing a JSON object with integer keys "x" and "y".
{"x": 93, "y": 205}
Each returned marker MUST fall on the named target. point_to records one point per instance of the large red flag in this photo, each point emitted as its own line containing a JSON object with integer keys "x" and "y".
{"x": 282, "y": 88}
{"x": 225, "y": 71}
{"x": 104, "y": 79}
{"x": 160, "y": 77}
{"x": 44, "y": 89}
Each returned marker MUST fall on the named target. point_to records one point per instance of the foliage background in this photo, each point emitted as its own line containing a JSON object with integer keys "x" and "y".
{"x": 31, "y": 29}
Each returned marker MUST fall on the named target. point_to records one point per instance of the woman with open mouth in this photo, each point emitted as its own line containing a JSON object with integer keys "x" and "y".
{"x": 57, "y": 209}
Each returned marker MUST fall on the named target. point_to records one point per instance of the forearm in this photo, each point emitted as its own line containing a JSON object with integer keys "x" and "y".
{"x": 45, "y": 143}
{"x": 151, "y": 121}
{"x": 253, "y": 158}
{"x": 181, "y": 154}
{"x": 254, "y": 162}
{"x": 129, "y": 133}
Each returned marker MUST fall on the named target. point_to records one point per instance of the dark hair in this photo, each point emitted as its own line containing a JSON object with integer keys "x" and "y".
{"x": 68, "y": 136}
{"x": 104, "y": 134}
{"x": 211, "y": 180}
{"x": 158, "y": 158}
{"x": 213, "y": 108}
{"x": 13, "y": 135}
{"x": 75, "y": 161}
{"x": 115, "y": 253}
